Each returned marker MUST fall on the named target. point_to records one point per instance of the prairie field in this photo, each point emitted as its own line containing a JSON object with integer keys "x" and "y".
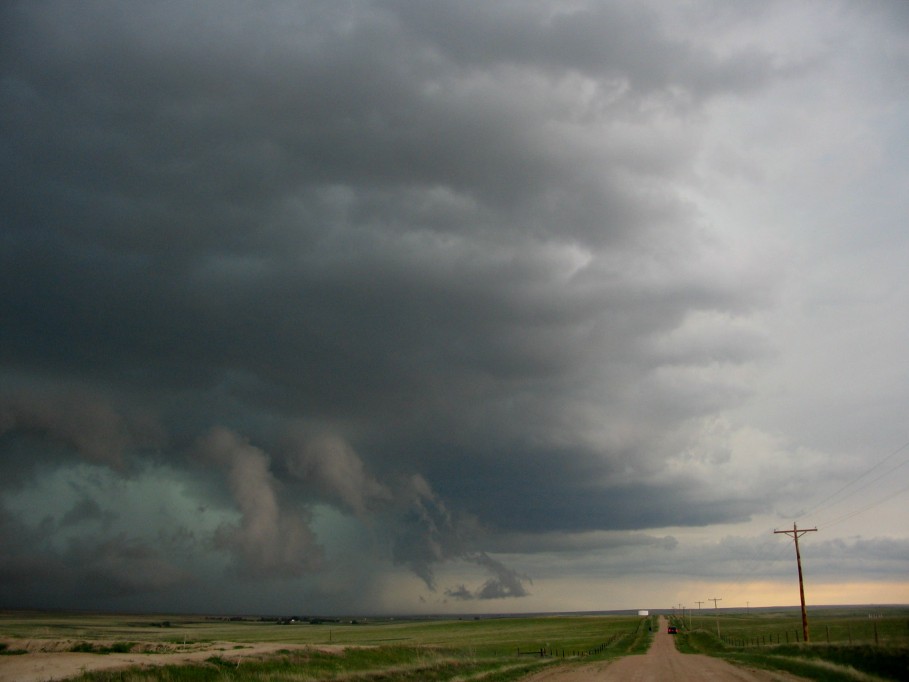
{"x": 163, "y": 647}
{"x": 845, "y": 643}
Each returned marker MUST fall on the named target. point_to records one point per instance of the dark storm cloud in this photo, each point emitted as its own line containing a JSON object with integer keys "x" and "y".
{"x": 79, "y": 421}
{"x": 393, "y": 227}
{"x": 269, "y": 540}
{"x": 606, "y": 41}
{"x": 87, "y": 510}
{"x": 36, "y": 572}
{"x": 505, "y": 583}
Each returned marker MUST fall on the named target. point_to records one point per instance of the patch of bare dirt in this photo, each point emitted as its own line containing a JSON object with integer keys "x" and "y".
{"x": 49, "y": 660}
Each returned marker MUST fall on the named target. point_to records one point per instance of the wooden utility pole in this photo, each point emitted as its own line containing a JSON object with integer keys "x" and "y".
{"x": 716, "y": 613}
{"x": 795, "y": 533}
{"x": 699, "y": 607}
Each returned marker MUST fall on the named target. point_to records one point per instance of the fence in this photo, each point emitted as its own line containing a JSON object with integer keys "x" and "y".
{"x": 544, "y": 652}
{"x": 847, "y": 632}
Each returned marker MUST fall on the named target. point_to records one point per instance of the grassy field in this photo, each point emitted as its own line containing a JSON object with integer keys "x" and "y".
{"x": 864, "y": 644}
{"x": 485, "y": 648}
{"x": 845, "y": 643}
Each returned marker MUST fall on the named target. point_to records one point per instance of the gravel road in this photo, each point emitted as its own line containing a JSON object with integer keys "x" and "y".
{"x": 662, "y": 662}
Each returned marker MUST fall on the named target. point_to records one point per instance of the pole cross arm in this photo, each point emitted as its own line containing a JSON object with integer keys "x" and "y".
{"x": 796, "y": 532}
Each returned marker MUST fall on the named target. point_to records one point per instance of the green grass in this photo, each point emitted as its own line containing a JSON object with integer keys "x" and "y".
{"x": 391, "y": 663}
{"x": 490, "y": 649}
{"x": 857, "y": 646}
{"x": 849, "y": 625}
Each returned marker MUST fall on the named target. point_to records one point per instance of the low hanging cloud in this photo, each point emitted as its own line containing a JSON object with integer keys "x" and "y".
{"x": 429, "y": 534}
{"x": 269, "y": 541}
{"x": 504, "y": 583}
{"x": 87, "y": 564}
{"x": 121, "y": 566}
{"x": 330, "y": 467}
{"x": 273, "y": 542}
{"x": 80, "y": 420}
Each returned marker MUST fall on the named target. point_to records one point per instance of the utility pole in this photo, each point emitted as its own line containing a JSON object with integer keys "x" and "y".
{"x": 716, "y": 612}
{"x": 699, "y": 607}
{"x": 795, "y": 533}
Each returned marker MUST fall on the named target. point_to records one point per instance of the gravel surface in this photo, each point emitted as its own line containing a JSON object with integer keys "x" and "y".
{"x": 662, "y": 662}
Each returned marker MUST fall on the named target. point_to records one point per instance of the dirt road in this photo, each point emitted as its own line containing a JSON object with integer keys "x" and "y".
{"x": 662, "y": 662}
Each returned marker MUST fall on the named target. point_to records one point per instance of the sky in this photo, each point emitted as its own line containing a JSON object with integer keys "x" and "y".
{"x": 405, "y": 307}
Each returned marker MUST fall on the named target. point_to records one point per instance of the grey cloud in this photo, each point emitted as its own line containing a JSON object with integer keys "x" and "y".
{"x": 506, "y": 582}
{"x": 412, "y": 245}
{"x": 330, "y": 465}
{"x": 33, "y": 572}
{"x": 459, "y": 592}
{"x": 122, "y": 566}
{"x": 544, "y": 542}
{"x": 883, "y": 557}
{"x": 428, "y": 533}
{"x": 269, "y": 541}
{"x": 605, "y": 41}
{"x": 86, "y": 510}
{"x": 444, "y": 264}
{"x": 82, "y": 420}
{"x": 767, "y": 556}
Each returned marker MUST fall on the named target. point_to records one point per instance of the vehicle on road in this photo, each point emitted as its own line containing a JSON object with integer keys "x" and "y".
{"x": 672, "y": 630}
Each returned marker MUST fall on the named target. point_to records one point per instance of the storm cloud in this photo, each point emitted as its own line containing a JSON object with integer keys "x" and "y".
{"x": 385, "y": 290}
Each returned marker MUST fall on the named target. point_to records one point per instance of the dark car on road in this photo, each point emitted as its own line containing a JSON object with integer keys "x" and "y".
{"x": 673, "y": 630}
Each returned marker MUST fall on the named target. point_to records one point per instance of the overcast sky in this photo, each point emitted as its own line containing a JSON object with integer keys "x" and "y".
{"x": 399, "y": 307}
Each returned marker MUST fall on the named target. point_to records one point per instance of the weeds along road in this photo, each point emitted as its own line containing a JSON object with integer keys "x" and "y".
{"x": 661, "y": 662}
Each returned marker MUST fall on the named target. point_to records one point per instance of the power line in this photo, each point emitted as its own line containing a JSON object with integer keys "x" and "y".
{"x": 849, "y": 515}
{"x": 824, "y": 503}
{"x": 874, "y": 480}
